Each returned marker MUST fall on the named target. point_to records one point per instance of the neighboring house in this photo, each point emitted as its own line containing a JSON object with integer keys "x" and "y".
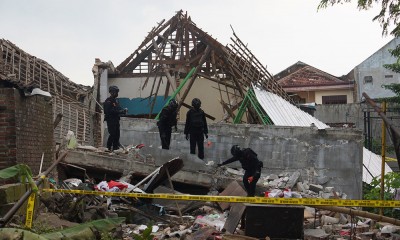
{"x": 27, "y": 133}
{"x": 307, "y": 84}
{"x": 370, "y": 75}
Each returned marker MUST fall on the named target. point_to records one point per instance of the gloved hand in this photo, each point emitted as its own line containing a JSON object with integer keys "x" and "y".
{"x": 187, "y": 137}
{"x": 176, "y": 128}
{"x": 250, "y": 179}
{"x": 206, "y": 135}
{"x": 219, "y": 165}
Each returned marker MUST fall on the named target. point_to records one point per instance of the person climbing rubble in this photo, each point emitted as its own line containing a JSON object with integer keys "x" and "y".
{"x": 112, "y": 112}
{"x": 167, "y": 121}
{"x": 196, "y": 128}
{"x": 250, "y": 163}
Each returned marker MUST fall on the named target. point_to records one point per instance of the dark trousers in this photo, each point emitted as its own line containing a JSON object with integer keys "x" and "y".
{"x": 113, "y": 131}
{"x": 251, "y": 187}
{"x": 165, "y": 136}
{"x": 197, "y": 139}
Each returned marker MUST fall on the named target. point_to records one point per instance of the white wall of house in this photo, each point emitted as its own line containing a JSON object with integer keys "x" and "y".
{"x": 207, "y": 91}
{"x": 320, "y": 94}
{"x": 370, "y": 75}
{"x": 132, "y": 87}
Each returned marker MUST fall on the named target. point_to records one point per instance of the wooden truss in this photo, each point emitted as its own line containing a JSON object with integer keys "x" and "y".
{"x": 174, "y": 47}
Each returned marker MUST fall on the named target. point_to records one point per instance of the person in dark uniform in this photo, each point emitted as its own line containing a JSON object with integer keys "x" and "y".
{"x": 250, "y": 163}
{"x": 196, "y": 128}
{"x": 167, "y": 121}
{"x": 112, "y": 112}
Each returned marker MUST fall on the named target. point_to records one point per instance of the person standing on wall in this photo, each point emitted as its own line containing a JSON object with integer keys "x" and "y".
{"x": 167, "y": 121}
{"x": 250, "y": 163}
{"x": 196, "y": 128}
{"x": 112, "y": 112}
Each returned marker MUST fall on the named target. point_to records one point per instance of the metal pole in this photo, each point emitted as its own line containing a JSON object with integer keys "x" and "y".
{"x": 383, "y": 116}
{"x": 369, "y": 131}
{"x": 383, "y": 157}
{"x": 7, "y": 217}
{"x": 365, "y": 130}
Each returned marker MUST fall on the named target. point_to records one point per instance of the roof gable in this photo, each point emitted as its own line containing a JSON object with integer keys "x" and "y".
{"x": 174, "y": 47}
{"x": 301, "y": 74}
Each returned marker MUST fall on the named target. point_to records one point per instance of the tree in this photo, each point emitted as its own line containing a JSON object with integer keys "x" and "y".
{"x": 388, "y": 15}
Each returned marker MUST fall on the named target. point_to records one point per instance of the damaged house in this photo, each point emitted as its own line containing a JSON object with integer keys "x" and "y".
{"x": 178, "y": 59}
{"x": 244, "y": 103}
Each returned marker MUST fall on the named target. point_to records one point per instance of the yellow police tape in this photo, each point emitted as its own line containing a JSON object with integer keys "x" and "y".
{"x": 240, "y": 199}
{"x": 29, "y": 210}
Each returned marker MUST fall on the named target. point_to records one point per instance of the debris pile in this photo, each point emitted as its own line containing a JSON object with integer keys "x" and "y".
{"x": 98, "y": 216}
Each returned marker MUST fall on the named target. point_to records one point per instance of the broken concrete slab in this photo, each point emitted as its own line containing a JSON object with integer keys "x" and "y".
{"x": 315, "y": 234}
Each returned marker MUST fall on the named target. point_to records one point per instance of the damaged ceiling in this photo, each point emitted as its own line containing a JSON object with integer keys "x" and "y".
{"x": 176, "y": 46}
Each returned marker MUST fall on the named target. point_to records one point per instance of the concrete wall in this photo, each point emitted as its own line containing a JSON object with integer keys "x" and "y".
{"x": 354, "y": 115}
{"x": 332, "y": 156}
{"x": 341, "y": 113}
{"x": 373, "y": 66}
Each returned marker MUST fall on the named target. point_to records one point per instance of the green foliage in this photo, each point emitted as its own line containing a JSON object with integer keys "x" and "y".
{"x": 395, "y": 87}
{"x": 388, "y": 15}
{"x": 373, "y": 191}
{"x": 22, "y": 171}
{"x": 43, "y": 228}
{"x": 146, "y": 234}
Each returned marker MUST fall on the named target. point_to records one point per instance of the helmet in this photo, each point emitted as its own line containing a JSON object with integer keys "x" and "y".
{"x": 113, "y": 89}
{"x": 196, "y": 103}
{"x": 173, "y": 103}
{"x": 235, "y": 150}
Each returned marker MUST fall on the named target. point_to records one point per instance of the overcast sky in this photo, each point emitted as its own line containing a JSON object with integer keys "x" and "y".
{"x": 70, "y": 34}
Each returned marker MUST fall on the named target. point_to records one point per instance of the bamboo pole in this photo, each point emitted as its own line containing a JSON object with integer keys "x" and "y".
{"x": 359, "y": 213}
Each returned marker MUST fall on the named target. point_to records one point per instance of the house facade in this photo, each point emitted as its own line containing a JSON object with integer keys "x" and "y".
{"x": 370, "y": 75}
{"x": 307, "y": 84}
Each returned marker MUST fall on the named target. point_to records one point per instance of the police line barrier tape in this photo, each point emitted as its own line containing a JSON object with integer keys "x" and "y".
{"x": 241, "y": 199}
{"x": 29, "y": 210}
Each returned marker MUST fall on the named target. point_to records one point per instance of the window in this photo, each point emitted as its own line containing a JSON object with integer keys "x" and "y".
{"x": 336, "y": 99}
{"x": 368, "y": 79}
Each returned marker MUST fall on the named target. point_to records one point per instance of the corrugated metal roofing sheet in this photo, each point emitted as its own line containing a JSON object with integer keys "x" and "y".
{"x": 283, "y": 113}
{"x": 372, "y": 165}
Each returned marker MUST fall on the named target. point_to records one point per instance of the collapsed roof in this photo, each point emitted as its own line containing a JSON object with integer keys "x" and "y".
{"x": 26, "y": 72}
{"x": 176, "y": 46}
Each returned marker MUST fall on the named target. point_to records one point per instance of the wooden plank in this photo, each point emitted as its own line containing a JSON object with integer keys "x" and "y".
{"x": 235, "y": 215}
{"x": 207, "y": 115}
{"x": 169, "y": 61}
{"x": 233, "y": 189}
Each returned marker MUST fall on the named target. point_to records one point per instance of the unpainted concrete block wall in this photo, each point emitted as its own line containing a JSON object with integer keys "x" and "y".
{"x": 354, "y": 115}
{"x": 331, "y": 157}
{"x": 26, "y": 130}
